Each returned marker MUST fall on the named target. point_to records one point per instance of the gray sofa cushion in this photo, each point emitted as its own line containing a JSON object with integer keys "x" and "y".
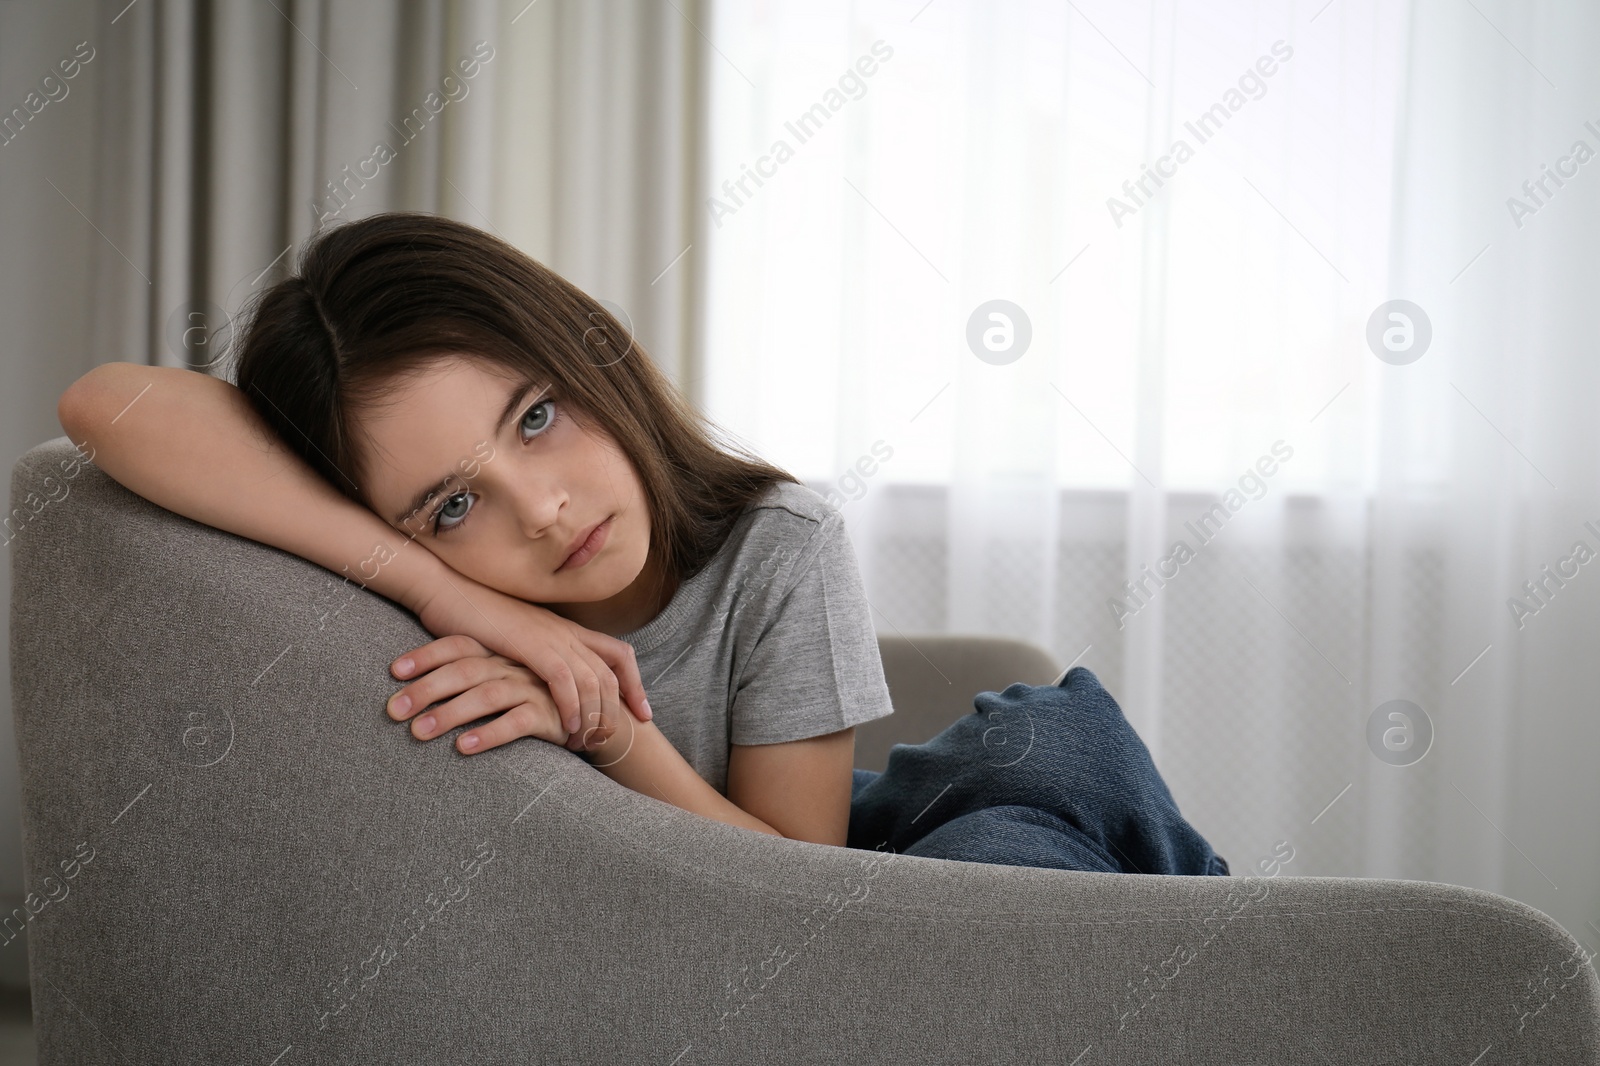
{"x": 236, "y": 856}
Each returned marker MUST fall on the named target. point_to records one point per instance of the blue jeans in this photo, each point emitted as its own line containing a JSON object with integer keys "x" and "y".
{"x": 1038, "y": 775}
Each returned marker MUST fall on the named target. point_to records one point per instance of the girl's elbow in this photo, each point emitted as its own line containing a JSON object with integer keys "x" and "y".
{"x": 72, "y": 410}
{"x": 84, "y": 404}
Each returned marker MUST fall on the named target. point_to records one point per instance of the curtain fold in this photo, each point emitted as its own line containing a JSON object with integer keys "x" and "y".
{"x": 231, "y": 132}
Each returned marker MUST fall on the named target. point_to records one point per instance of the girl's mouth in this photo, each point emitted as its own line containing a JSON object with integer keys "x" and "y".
{"x": 589, "y": 548}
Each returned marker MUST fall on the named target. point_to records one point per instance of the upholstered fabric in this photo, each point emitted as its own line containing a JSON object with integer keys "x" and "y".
{"x": 932, "y": 679}
{"x": 239, "y": 858}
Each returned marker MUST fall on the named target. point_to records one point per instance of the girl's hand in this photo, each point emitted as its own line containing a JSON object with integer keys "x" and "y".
{"x": 587, "y": 673}
{"x": 468, "y": 681}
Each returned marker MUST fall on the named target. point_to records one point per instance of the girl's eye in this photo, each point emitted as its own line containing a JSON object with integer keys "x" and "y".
{"x": 456, "y": 507}
{"x": 549, "y": 419}
{"x": 450, "y": 515}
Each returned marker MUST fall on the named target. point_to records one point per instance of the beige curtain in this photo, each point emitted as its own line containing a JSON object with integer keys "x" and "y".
{"x": 230, "y": 132}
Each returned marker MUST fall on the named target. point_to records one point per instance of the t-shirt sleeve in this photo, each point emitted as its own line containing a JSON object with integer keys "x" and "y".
{"x": 815, "y": 667}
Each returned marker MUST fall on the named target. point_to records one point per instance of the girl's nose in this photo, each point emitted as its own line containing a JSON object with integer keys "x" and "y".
{"x": 537, "y": 506}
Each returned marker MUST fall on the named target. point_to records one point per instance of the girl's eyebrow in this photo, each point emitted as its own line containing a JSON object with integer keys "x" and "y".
{"x": 514, "y": 400}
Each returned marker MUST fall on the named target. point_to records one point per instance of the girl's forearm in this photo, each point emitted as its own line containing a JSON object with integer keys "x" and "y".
{"x": 650, "y": 765}
{"x": 192, "y": 443}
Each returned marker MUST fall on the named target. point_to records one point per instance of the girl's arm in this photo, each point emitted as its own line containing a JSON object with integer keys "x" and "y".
{"x": 638, "y": 756}
{"x": 193, "y": 444}
{"x": 460, "y": 683}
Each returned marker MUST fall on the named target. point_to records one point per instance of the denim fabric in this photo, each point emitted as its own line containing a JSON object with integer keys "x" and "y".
{"x": 1038, "y": 775}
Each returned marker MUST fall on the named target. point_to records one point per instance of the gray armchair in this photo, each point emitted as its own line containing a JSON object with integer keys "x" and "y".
{"x": 234, "y": 856}
{"x": 932, "y": 679}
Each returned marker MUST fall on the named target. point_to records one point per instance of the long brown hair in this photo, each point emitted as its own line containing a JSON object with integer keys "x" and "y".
{"x": 377, "y": 298}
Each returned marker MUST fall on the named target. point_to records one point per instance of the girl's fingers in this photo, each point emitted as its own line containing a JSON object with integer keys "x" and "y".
{"x": 554, "y": 670}
{"x": 490, "y": 697}
{"x": 434, "y": 654}
{"x": 619, "y": 659}
{"x": 524, "y": 720}
{"x": 605, "y": 704}
{"x": 442, "y": 682}
{"x": 590, "y": 736}
{"x": 572, "y": 674}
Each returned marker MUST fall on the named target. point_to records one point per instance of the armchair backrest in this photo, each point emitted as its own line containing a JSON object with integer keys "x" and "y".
{"x": 932, "y": 679}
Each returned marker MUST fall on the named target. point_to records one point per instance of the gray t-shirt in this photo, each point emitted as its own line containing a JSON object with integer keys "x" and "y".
{"x": 772, "y": 640}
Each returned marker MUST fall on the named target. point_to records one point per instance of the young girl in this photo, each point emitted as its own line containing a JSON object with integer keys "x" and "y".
{"x": 585, "y": 538}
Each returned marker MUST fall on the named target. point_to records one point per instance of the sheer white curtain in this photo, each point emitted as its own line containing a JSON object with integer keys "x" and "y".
{"x": 1202, "y": 330}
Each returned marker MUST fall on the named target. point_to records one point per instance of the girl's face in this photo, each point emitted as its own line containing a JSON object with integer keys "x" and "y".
{"x": 498, "y": 478}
